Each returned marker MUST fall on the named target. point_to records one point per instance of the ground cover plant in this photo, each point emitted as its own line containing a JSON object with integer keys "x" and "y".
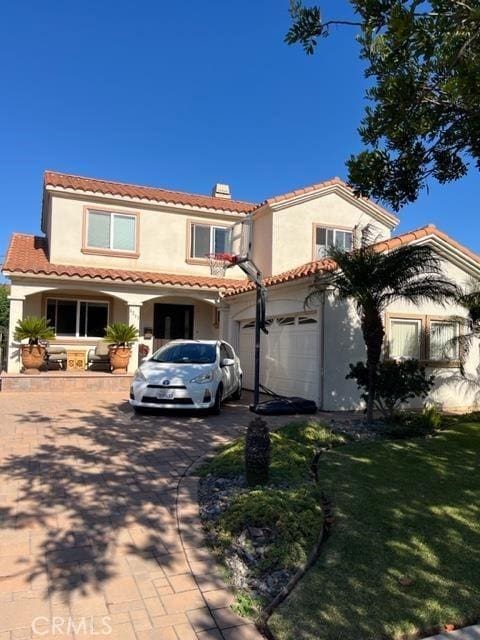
{"x": 265, "y": 533}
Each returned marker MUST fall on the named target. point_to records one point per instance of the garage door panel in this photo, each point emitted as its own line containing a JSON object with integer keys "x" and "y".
{"x": 289, "y": 357}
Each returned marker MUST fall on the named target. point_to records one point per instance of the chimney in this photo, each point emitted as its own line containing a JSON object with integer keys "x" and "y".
{"x": 221, "y": 191}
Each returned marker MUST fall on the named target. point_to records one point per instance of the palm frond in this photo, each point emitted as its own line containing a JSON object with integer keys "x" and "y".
{"x": 403, "y": 264}
{"x": 427, "y": 288}
{"x": 471, "y": 302}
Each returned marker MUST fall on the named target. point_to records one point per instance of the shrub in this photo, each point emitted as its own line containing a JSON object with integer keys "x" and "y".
{"x": 413, "y": 425}
{"x": 397, "y": 382}
{"x": 248, "y": 606}
{"x": 121, "y": 334}
{"x": 473, "y": 416}
{"x": 311, "y": 433}
{"x": 33, "y": 329}
{"x": 431, "y": 418}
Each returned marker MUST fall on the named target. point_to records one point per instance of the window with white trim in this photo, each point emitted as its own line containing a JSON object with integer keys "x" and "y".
{"x": 77, "y": 318}
{"x": 405, "y": 338}
{"x": 111, "y": 231}
{"x": 443, "y": 340}
{"x": 326, "y": 238}
{"x": 205, "y": 239}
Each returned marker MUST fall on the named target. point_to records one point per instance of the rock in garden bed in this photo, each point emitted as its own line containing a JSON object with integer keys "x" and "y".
{"x": 255, "y": 555}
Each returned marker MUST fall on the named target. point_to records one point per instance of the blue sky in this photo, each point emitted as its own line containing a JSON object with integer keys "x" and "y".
{"x": 183, "y": 95}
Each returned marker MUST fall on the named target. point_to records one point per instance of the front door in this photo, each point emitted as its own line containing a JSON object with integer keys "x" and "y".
{"x": 172, "y": 322}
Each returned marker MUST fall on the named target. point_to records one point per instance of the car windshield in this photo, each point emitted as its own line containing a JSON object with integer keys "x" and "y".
{"x": 186, "y": 353}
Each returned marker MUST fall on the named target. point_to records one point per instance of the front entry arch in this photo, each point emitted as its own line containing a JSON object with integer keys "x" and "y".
{"x": 172, "y": 322}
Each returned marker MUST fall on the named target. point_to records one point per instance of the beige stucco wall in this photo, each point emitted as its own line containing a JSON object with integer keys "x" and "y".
{"x": 163, "y": 237}
{"x": 33, "y": 305}
{"x": 344, "y": 345}
{"x": 293, "y": 234}
{"x": 282, "y": 239}
{"x": 203, "y": 316}
{"x": 262, "y": 242}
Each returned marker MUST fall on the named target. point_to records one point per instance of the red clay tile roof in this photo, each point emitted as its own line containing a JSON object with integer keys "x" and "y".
{"x": 299, "y": 192}
{"x": 422, "y": 232}
{"x": 314, "y": 267}
{"x": 315, "y": 187}
{"x": 29, "y": 255}
{"x": 107, "y": 187}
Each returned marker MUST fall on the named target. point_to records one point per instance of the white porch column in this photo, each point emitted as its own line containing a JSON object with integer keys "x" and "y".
{"x": 223, "y": 325}
{"x": 16, "y": 313}
{"x": 134, "y": 319}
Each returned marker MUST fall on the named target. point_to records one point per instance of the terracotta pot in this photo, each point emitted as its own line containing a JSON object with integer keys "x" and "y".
{"x": 119, "y": 357}
{"x": 33, "y": 357}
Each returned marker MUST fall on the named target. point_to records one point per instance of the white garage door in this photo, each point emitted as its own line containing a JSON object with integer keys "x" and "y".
{"x": 290, "y": 361}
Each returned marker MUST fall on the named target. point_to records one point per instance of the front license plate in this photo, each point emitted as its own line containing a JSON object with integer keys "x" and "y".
{"x": 165, "y": 395}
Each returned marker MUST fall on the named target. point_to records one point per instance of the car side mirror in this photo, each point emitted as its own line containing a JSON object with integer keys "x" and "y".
{"x": 227, "y": 362}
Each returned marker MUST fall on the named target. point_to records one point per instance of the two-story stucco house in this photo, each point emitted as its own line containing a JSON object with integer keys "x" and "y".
{"x": 118, "y": 252}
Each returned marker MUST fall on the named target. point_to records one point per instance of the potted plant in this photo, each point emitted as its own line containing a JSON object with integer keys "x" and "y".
{"x": 33, "y": 329}
{"x": 120, "y": 335}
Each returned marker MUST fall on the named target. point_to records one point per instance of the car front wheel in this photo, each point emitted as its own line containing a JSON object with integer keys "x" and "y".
{"x": 237, "y": 394}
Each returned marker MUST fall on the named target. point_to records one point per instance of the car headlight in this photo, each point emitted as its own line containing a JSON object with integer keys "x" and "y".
{"x": 204, "y": 377}
{"x": 138, "y": 376}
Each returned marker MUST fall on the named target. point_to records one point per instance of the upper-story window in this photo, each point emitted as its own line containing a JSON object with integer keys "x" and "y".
{"x": 111, "y": 231}
{"x": 327, "y": 237}
{"x": 206, "y": 238}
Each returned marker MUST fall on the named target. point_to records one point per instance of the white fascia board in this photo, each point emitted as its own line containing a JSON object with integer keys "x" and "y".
{"x": 451, "y": 253}
{"x": 21, "y": 277}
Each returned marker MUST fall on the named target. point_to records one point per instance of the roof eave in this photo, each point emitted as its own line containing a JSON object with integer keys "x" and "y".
{"x": 15, "y": 273}
{"x": 368, "y": 206}
{"x": 445, "y": 246}
{"x": 173, "y": 206}
{"x": 456, "y": 255}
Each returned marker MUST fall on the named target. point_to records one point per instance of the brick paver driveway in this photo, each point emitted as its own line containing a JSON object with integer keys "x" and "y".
{"x": 88, "y": 506}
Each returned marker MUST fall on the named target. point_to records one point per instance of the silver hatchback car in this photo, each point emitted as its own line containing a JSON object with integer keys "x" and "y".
{"x": 188, "y": 374}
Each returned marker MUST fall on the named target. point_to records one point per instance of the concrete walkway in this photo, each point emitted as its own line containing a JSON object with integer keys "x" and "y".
{"x": 90, "y": 535}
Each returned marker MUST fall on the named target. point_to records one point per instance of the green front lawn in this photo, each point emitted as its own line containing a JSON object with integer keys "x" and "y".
{"x": 404, "y": 555}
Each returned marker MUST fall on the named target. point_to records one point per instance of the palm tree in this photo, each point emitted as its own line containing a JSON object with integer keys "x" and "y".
{"x": 470, "y": 301}
{"x": 373, "y": 280}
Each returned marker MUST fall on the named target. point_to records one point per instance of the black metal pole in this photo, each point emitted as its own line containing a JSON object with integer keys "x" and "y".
{"x": 256, "y": 386}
